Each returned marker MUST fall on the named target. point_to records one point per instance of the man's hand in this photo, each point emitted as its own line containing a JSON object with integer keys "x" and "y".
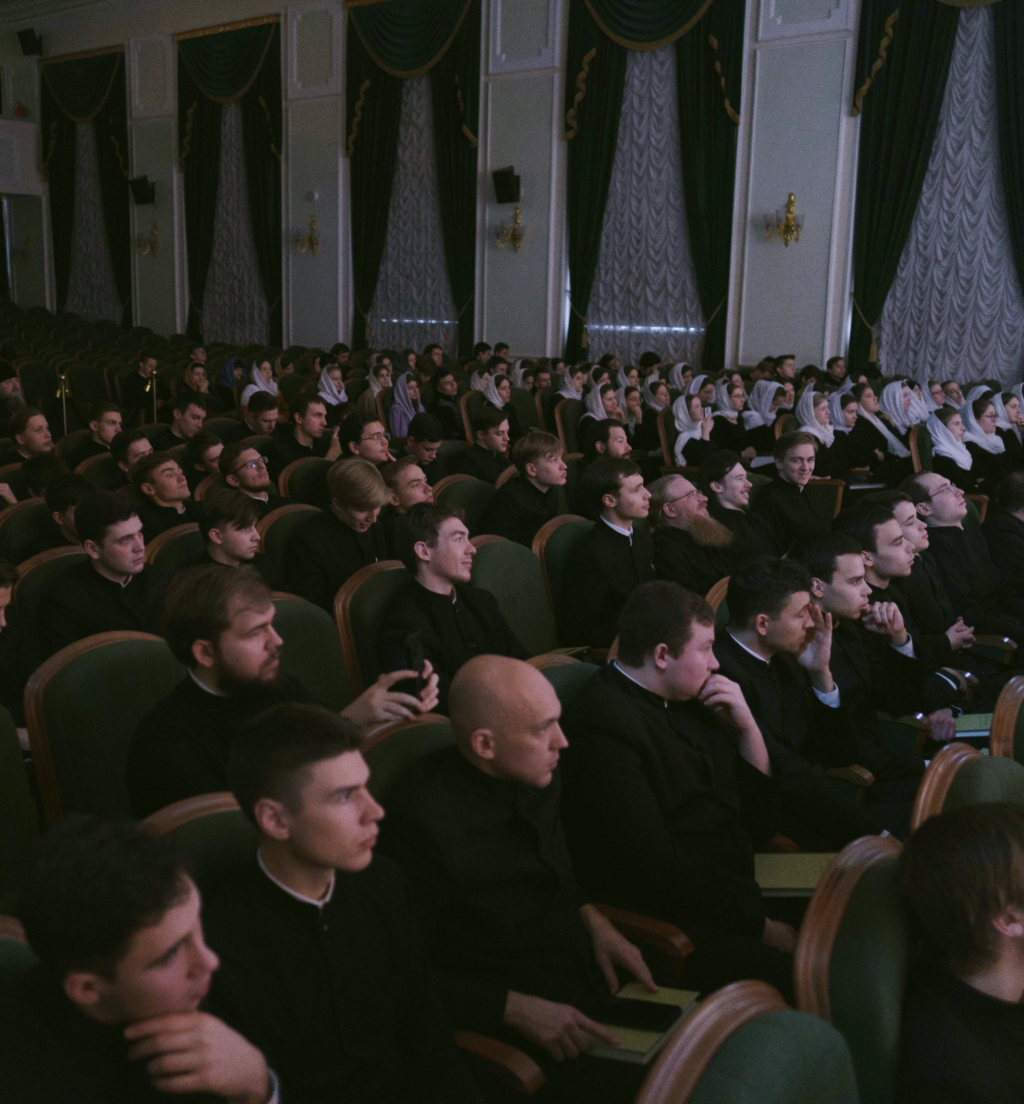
{"x": 885, "y": 619}
{"x": 725, "y": 699}
{"x": 334, "y": 449}
{"x": 382, "y": 705}
{"x": 941, "y": 725}
{"x": 817, "y": 653}
{"x": 7, "y": 495}
{"x": 194, "y": 1052}
{"x": 563, "y": 1031}
{"x": 780, "y": 936}
{"x": 960, "y": 635}
{"x": 612, "y": 948}
{"x": 748, "y": 454}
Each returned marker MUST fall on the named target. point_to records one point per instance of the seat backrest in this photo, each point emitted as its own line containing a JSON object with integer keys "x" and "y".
{"x": 540, "y": 401}
{"x": 450, "y": 449}
{"x": 20, "y": 525}
{"x": 667, "y": 434}
{"x": 18, "y": 815}
{"x": 312, "y": 650}
{"x": 276, "y": 531}
{"x": 102, "y": 472}
{"x": 391, "y": 750}
{"x": 208, "y": 486}
{"x": 471, "y": 494}
{"x": 827, "y": 495}
{"x": 176, "y": 548}
{"x": 757, "y": 484}
{"x": 960, "y": 776}
{"x": 567, "y": 419}
{"x": 470, "y": 404}
{"x": 853, "y": 957}
{"x": 34, "y": 577}
{"x": 568, "y": 679}
{"x": 525, "y": 408}
{"x": 744, "y": 1045}
{"x": 16, "y": 956}
{"x": 305, "y": 480}
{"x": 82, "y": 706}
{"x": 511, "y": 572}
{"x": 359, "y": 612}
{"x": 977, "y": 507}
{"x": 505, "y": 476}
{"x": 1006, "y": 736}
{"x": 553, "y": 546}
{"x": 788, "y": 423}
{"x": 920, "y": 441}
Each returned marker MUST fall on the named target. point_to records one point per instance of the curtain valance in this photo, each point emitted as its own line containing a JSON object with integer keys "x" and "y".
{"x": 80, "y": 85}
{"x": 405, "y": 38}
{"x": 646, "y": 24}
{"x": 223, "y": 66}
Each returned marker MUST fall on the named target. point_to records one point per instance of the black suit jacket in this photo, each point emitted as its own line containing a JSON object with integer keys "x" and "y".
{"x": 679, "y": 558}
{"x": 324, "y": 552}
{"x": 1005, "y": 536}
{"x": 480, "y": 463}
{"x": 798, "y": 518}
{"x": 519, "y": 509}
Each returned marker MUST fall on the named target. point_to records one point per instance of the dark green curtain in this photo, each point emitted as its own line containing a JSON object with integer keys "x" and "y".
{"x": 708, "y": 75}
{"x": 213, "y": 70}
{"x": 405, "y": 38}
{"x": 80, "y": 90}
{"x": 1009, "y": 44}
{"x": 112, "y": 153}
{"x": 903, "y": 57}
{"x": 596, "y": 75}
{"x": 455, "y": 86}
{"x": 646, "y": 24}
{"x": 374, "y": 109}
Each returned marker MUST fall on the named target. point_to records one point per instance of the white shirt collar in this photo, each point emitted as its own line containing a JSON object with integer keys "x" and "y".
{"x": 626, "y": 674}
{"x": 298, "y": 896}
{"x": 202, "y": 685}
{"x": 749, "y": 651}
{"x": 622, "y": 532}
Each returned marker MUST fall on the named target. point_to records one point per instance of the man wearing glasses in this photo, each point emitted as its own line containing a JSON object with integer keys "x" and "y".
{"x": 242, "y": 467}
{"x": 364, "y": 437}
{"x": 690, "y": 548}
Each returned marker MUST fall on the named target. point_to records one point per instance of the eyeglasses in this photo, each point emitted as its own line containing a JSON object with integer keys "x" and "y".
{"x": 689, "y": 494}
{"x": 950, "y": 488}
{"x": 252, "y": 465}
{"x": 376, "y": 437}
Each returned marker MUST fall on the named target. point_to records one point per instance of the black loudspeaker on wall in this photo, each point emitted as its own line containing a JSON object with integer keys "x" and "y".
{"x": 31, "y": 43}
{"x": 506, "y": 185}
{"x": 143, "y": 191}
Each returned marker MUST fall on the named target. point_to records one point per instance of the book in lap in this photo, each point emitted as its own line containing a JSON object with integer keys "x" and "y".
{"x": 639, "y": 1046}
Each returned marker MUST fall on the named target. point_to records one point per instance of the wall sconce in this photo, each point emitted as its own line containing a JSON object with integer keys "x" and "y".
{"x": 24, "y": 253}
{"x": 150, "y": 245}
{"x": 512, "y": 235}
{"x": 785, "y": 224}
{"x": 308, "y": 241}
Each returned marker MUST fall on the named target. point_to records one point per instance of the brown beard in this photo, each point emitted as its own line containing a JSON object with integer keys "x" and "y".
{"x": 708, "y": 532}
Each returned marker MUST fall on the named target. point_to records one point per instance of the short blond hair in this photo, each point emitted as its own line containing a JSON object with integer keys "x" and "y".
{"x": 357, "y": 484}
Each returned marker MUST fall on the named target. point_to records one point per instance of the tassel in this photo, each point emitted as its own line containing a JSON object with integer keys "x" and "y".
{"x": 873, "y": 351}
{"x": 584, "y": 340}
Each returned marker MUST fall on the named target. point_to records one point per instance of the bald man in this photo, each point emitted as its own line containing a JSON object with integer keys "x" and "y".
{"x": 477, "y": 829}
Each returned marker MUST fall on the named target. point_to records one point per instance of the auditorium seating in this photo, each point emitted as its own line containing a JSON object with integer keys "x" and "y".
{"x": 472, "y": 495}
{"x": 176, "y": 548}
{"x": 960, "y": 775}
{"x": 276, "y": 531}
{"x": 1006, "y": 736}
{"x": 311, "y": 652}
{"x": 567, "y": 419}
{"x": 102, "y": 472}
{"x": 512, "y": 573}
{"x": 358, "y": 611}
{"x": 35, "y": 575}
{"x": 20, "y": 525}
{"x": 18, "y": 818}
{"x": 305, "y": 480}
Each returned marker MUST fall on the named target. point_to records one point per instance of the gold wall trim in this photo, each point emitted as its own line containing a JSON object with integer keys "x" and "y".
{"x": 571, "y": 127}
{"x": 256, "y": 21}
{"x": 644, "y": 46}
{"x": 883, "y": 46}
{"x": 82, "y": 54}
{"x": 969, "y": 3}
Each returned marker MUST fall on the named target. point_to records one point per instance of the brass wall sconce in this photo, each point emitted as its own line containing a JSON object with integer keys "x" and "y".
{"x": 308, "y": 242}
{"x": 23, "y": 254}
{"x": 150, "y": 246}
{"x": 512, "y": 235}
{"x": 785, "y": 224}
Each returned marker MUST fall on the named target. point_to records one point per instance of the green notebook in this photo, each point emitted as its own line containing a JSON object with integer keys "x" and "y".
{"x": 790, "y": 874}
{"x": 640, "y": 1047}
{"x": 973, "y": 724}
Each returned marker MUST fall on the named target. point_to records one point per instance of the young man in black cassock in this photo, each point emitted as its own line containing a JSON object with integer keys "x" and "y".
{"x": 724, "y": 481}
{"x": 690, "y": 548}
{"x": 304, "y": 436}
{"x": 534, "y": 495}
{"x": 487, "y": 458}
{"x": 668, "y": 788}
{"x": 612, "y": 559}
{"x": 164, "y": 500}
{"x": 789, "y": 504}
{"x": 320, "y": 957}
{"x": 1004, "y": 529}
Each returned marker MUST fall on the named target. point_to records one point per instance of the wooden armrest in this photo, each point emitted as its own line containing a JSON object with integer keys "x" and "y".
{"x": 514, "y": 1067}
{"x": 990, "y": 640}
{"x": 597, "y": 655}
{"x": 783, "y": 845}
{"x": 646, "y": 929}
{"x": 855, "y": 773}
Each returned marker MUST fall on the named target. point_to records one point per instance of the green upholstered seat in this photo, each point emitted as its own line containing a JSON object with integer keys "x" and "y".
{"x": 365, "y": 618}
{"x": 525, "y": 406}
{"x": 179, "y": 547}
{"x": 35, "y": 576}
{"x": 783, "y": 1057}
{"x": 568, "y": 679}
{"x": 790, "y": 424}
{"x": 972, "y": 519}
{"x": 557, "y": 553}
{"x": 450, "y": 449}
{"x": 312, "y": 651}
{"x": 472, "y": 495}
{"x": 102, "y": 472}
{"x": 257, "y": 441}
{"x": 474, "y": 404}
{"x": 825, "y": 497}
{"x": 21, "y": 525}
{"x": 18, "y": 816}
{"x": 569, "y": 412}
{"x": 277, "y": 528}
{"x": 228, "y": 430}
{"x": 85, "y": 709}
{"x": 16, "y": 958}
{"x": 386, "y": 402}
{"x": 388, "y": 758}
{"x": 758, "y": 483}
{"x": 924, "y": 448}
{"x": 216, "y": 845}
{"x": 985, "y": 779}
{"x": 307, "y": 481}
{"x": 291, "y": 385}
{"x": 511, "y": 572}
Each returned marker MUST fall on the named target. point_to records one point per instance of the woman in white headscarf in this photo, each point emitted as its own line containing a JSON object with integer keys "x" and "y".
{"x": 759, "y": 419}
{"x": 727, "y": 432}
{"x": 842, "y": 411}
{"x": 896, "y": 400}
{"x": 987, "y": 448}
{"x": 331, "y": 389}
{"x": 379, "y": 380}
{"x": 601, "y": 403}
{"x": 813, "y": 412}
{"x": 677, "y": 376}
{"x": 693, "y": 431}
{"x": 498, "y": 393}
{"x": 571, "y": 382}
{"x": 654, "y": 397}
{"x": 516, "y": 375}
{"x": 478, "y": 380}
{"x": 877, "y": 443}
{"x": 406, "y": 405}
{"x": 261, "y": 378}
{"x": 950, "y": 456}
{"x": 920, "y": 404}
{"x": 1010, "y": 422}
{"x": 704, "y": 386}
{"x": 631, "y": 405}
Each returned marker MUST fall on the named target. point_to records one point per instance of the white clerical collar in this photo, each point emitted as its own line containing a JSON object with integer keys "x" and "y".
{"x": 622, "y": 532}
{"x": 202, "y": 685}
{"x": 636, "y": 682}
{"x": 749, "y": 651}
{"x": 298, "y": 896}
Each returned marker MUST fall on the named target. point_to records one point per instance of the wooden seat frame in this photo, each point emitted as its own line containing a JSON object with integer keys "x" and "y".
{"x": 540, "y": 542}
{"x": 168, "y": 536}
{"x": 938, "y": 778}
{"x": 343, "y": 618}
{"x": 1004, "y": 718}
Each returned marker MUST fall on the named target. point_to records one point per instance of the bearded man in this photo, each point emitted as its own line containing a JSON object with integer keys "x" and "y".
{"x": 690, "y": 547}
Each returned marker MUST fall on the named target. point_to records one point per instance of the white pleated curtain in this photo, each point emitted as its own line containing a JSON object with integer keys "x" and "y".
{"x": 645, "y": 291}
{"x": 234, "y": 306}
{"x": 92, "y": 289}
{"x": 955, "y": 309}
{"x": 413, "y": 305}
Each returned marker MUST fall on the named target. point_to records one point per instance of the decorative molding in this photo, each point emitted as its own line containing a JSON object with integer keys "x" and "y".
{"x": 18, "y": 144}
{"x": 503, "y": 54}
{"x": 152, "y": 76}
{"x": 314, "y": 49}
{"x": 798, "y": 18}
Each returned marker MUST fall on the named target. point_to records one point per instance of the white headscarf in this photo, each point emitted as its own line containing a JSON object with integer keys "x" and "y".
{"x": 894, "y": 445}
{"x": 647, "y": 392}
{"x": 976, "y": 392}
{"x": 1002, "y": 419}
{"x": 491, "y": 392}
{"x": 623, "y": 380}
{"x": 595, "y": 407}
{"x": 675, "y": 376}
{"x": 516, "y": 378}
{"x": 620, "y": 398}
{"x": 920, "y": 408}
{"x": 846, "y": 385}
{"x": 596, "y": 371}
{"x": 990, "y": 442}
{"x": 891, "y": 402}
{"x": 475, "y": 382}
{"x": 723, "y": 405}
{"x": 835, "y": 413}
{"x": 695, "y": 385}
{"x": 808, "y": 423}
{"x": 1017, "y": 390}
{"x": 688, "y": 429}
{"x": 257, "y": 383}
{"x": 566, "y": 390}
{"x": 375, "y": 385}
{"x": 760, "y": 402}
{"x": 328, "y": 392}
{"x": 945, "y": 444}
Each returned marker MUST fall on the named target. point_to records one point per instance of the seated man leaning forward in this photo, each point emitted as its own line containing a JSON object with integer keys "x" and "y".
{"x": 220, "y": 625}
{"x": 477, "y": 829}
{"x": 112, "y": 1013}
{"x": 364, "y": 1028}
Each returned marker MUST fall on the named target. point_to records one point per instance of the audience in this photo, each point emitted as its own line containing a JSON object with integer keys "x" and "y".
{"x": 113, "y": 587}
{"x": 62, "y": 496}
{"x": 486, "y": 459}
{"x": 727, "y": 487}
{"x": 31, "y": 438}
{"x": 143, "y": 390}
{"x": 531, "y": 497}
{"x": 407, "y": 483}
{"x": 261, "y": 415}
{"x": 446, "y": 405}
{"x": 164, "y": 498}
{"x": 795, "y": 515}
{"x": 202, "y": 455}
{"x": 364, "y": 436}
{"x": 188, "y": 412}
{"x": 104, "y": 426}
{"x": 242, "y": 467}
{"x": 1004, "y": 530}
{"x": 437, "y": 609}
{"x": 127, "y": 448}
{"x": 321, "y": 962}
{"x": 690, "y": 548}
{"x": 227, "y": 525}
{"x": 424, "y": 438}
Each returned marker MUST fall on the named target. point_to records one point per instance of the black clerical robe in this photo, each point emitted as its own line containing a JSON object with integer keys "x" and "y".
{"x": 340, "y": 999}
{"x": 729, "y": 434}
{"x": 797, "y": 517}
{"x": 76, "y": 452}
{"x": 134, "y": 396}
{"x": 519, "y": 509}
{"x": 480, "y": 463}
{"x": 865, "y": 438}
{"x": 285, "y": 450}
{"x": 158, "y": 519}
{"x": 680, "y": 559}
{"x": 957, "y": 1044}
{"x": 324, "y": 552}
{"x": 82, "y": 602}
{"x": 52, "y": 1053}
{"x": 163, "y": 438}
{"x": 988, "y": 467}
{"x": 752, "y": 534}
{"x": 605, "y": 568}
{"x": 1004, "y": 534}
{"x": 272, "y": 502}
{"x": 180, "y": 748}
{"x": 449, "y": 414}
{"x": 967, "y": 479}
{"x": 454, "y": 629}
{"x": 49, "y": 536}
